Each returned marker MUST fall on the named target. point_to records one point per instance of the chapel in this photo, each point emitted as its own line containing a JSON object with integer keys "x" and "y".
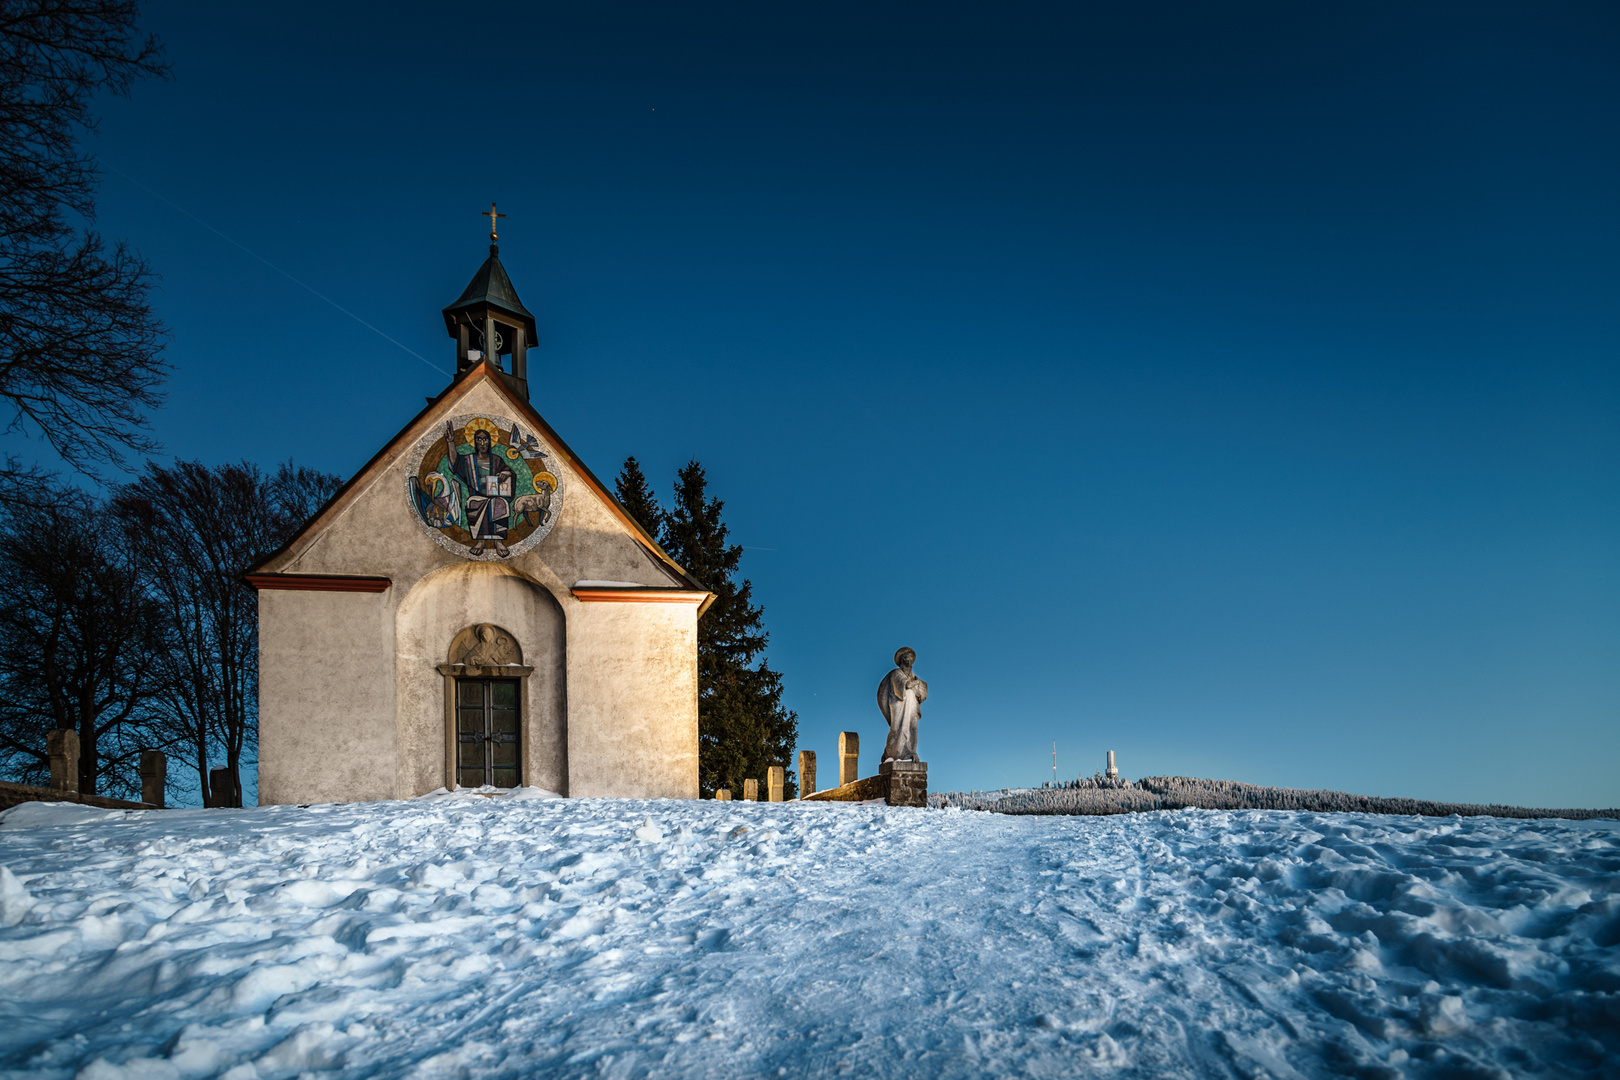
{"x": 474, "y": 609}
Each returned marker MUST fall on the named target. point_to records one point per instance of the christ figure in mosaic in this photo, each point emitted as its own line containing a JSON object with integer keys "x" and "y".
{"x": 489, "y": 484}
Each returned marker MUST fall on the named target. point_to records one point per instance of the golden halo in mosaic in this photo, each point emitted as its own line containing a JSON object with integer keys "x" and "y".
{"x": 547, "y": 478}
{"x": 480, "y": 424}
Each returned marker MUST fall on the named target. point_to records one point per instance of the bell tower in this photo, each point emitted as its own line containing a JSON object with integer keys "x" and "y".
{"x": 489, "y": 322}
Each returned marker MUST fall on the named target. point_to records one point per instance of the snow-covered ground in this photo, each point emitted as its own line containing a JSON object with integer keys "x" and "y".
{"x": 555, "y": 938}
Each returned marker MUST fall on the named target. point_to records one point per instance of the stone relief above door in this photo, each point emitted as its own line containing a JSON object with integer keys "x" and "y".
{"x": 484, "y": 649}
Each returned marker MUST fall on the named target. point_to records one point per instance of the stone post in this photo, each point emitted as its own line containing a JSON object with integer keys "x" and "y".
{"x": 750, "y": 791}
{"x": 775, "y": 783}
{"x": 154, "y": 776}
{"x": 1113, "y": 770}
{"x": 722, "y": 794}
{"x": 807, "y": 773}
{"x": 223, "y": 785}
{"x": 63, "y": 747}
{"x": 849, "y": 752}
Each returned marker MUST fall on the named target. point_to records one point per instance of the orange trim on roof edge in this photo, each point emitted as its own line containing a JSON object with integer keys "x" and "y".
{"x": 610, "y": 595}
{"x": 465, "y": 382}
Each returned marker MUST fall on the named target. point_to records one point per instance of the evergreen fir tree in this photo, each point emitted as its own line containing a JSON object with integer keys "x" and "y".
{"x": 637, "y": 497}
{"x": 742, "y": 727}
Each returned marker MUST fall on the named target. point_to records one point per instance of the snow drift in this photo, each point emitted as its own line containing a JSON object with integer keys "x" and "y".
{"x": 559, "y": 938}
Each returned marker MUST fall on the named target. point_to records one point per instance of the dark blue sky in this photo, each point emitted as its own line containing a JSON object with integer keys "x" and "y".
{"x": 1231, "y": 386}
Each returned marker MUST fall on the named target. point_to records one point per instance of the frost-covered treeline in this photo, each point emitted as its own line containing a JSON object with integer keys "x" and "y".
{"x": 1103, "y": 796}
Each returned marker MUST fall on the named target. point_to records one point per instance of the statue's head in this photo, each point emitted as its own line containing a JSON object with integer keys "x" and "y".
{"x": 481, "y": 441}
{"x": 905, "y": 657}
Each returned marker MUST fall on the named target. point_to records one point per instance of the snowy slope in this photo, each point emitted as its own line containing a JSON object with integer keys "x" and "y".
{"x": 471, "y": 937}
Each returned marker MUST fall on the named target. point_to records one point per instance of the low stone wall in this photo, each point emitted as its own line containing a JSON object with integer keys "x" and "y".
{"x": 898, "y": 783}
{"x": 872, "y": 787}
{"x": 16, "y": 794}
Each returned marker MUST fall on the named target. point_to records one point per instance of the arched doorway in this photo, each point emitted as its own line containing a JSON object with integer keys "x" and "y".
{"x": 488, "y": 733}
{"x": 435, "y": 625}
{"x": 487, "y": 677}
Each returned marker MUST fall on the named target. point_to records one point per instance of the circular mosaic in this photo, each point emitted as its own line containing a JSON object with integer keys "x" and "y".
{"x": 483, "y": 488}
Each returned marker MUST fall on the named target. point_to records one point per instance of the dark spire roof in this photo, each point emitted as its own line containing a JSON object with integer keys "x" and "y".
{"x": 490, "y": 286}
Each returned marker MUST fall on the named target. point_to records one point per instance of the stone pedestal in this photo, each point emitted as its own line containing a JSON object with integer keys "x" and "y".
{"x": 723, "y": 795}
{"x": 154, "y": 776}
{"x": 807, "y": 773}
{"x": 849, "y": 752}
{"x": 63, "y": 747}
{"x": 750, "y": 791}
{"x": 775, "y": 783}
{"x": 905, "y": 782}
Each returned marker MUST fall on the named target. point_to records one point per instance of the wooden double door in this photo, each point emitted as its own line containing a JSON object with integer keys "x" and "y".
{"x": 489, "y": 728}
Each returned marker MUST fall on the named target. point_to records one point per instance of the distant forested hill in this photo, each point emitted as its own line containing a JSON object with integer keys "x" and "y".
{"x": 1102, "y": 796}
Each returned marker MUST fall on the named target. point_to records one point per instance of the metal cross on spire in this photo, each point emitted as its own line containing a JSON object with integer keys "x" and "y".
{"x": 493, "y": 220}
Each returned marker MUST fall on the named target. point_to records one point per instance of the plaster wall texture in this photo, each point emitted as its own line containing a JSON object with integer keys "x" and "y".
{"x": 632, "y": 700}
{"x": 376, "y": 531}
{"x": 428, "y": 619}
{"x": 612, "y": 703}
{"x": 326, "y": 697}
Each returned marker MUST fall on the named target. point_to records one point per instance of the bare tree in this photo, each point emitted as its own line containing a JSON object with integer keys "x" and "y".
{"x": 77, "y": 633}
{"x": 197, "y": 529}
{"x": 79, "y": 344}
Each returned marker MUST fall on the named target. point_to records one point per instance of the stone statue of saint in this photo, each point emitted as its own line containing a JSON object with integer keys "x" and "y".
{"x": 900, "y": 696}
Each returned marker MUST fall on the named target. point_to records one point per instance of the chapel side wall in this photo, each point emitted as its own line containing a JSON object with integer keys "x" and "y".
{"x": 632, "y": 700}
{"x": 326, "y": 696}
{"x": 441, "y": 606}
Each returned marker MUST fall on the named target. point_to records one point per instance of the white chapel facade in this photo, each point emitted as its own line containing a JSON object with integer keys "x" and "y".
{"x": 473, "y": 608}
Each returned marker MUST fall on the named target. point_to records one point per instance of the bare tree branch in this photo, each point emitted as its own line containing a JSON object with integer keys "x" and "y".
{"x": 196, "y": 529}
{"x": 77, "y": 635}
{"x": 80, "y": 348}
